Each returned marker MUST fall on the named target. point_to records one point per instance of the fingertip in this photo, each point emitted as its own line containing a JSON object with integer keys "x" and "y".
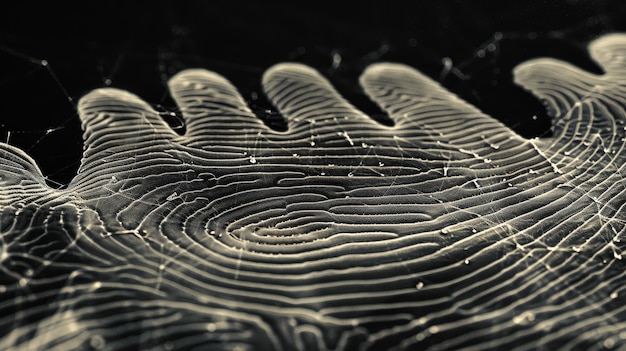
{"x": 610, "y": 52}
{"x": 290, "y": 68}
{"x": 100, "y": 100}
{"x": 304, "y": 96}
{"x": 379, "y": 68}
{"x": 193, "y": 78}
{"x": 16, "y": 165}
{"x": 210, "y": 103}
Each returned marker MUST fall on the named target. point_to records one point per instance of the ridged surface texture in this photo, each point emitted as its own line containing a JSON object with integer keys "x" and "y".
{"x": 445, "y": 231}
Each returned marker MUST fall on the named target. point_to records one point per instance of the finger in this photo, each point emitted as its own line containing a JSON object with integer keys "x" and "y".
{"x": 20, "y": 177}
{"x": 413, "y": 100}
{"x": 610, "y": 52}
{"x": 304, "y": 97}
{"x": 212, "y": 108}
{"x": 583, "y": 105}
{"x": 558, "y": 84}
{"x": 116, "y": 124}
{"x": 586, "y": 108}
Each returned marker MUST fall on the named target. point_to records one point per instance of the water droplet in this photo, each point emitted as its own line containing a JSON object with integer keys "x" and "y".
{"x": 336, "y": 60}
{"x": 113, "y": 180}
{"x": 97, "y": 342}
{"x": 419, "y": 285}
{"x": 364, "y": 145}
{"x": 576, "y": 248}
{"x": 487, "y": 160}
{"x": 474, "y": 230}
{"x": 351, "y": 174}
{"x": 609, "y": 343}
{"x": 252, "y": 159}
{"x": 381, "y": 164}
{"x": 567, "y": 153}
{"x": 312, "y": 143}
{"x": 211, "y": 327}
{"x": 445, "y": 231}
{"x": 467, "y": 261}
{"x": 524, "y": 318}
{"x": 616, "y": 255}
{"x": 434, "y": 329}
{"x": 614, "y": 295}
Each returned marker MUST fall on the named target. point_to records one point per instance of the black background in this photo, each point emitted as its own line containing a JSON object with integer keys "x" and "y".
{"x": 138, "y": 46}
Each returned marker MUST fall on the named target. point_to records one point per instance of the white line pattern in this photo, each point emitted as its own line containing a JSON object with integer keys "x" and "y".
{"x": 444, "y": 231}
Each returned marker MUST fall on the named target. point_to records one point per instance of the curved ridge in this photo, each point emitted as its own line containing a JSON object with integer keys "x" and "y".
{"x": 445, "y": 231}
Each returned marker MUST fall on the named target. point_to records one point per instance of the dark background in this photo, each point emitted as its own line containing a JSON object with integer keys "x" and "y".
{"x": 138, "y": 46}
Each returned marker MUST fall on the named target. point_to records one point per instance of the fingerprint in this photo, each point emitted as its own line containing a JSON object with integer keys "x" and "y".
{"x": 444, "y": 230}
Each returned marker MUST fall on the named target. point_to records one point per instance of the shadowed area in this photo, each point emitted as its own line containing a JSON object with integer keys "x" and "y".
{"x": 443, "y": 231}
